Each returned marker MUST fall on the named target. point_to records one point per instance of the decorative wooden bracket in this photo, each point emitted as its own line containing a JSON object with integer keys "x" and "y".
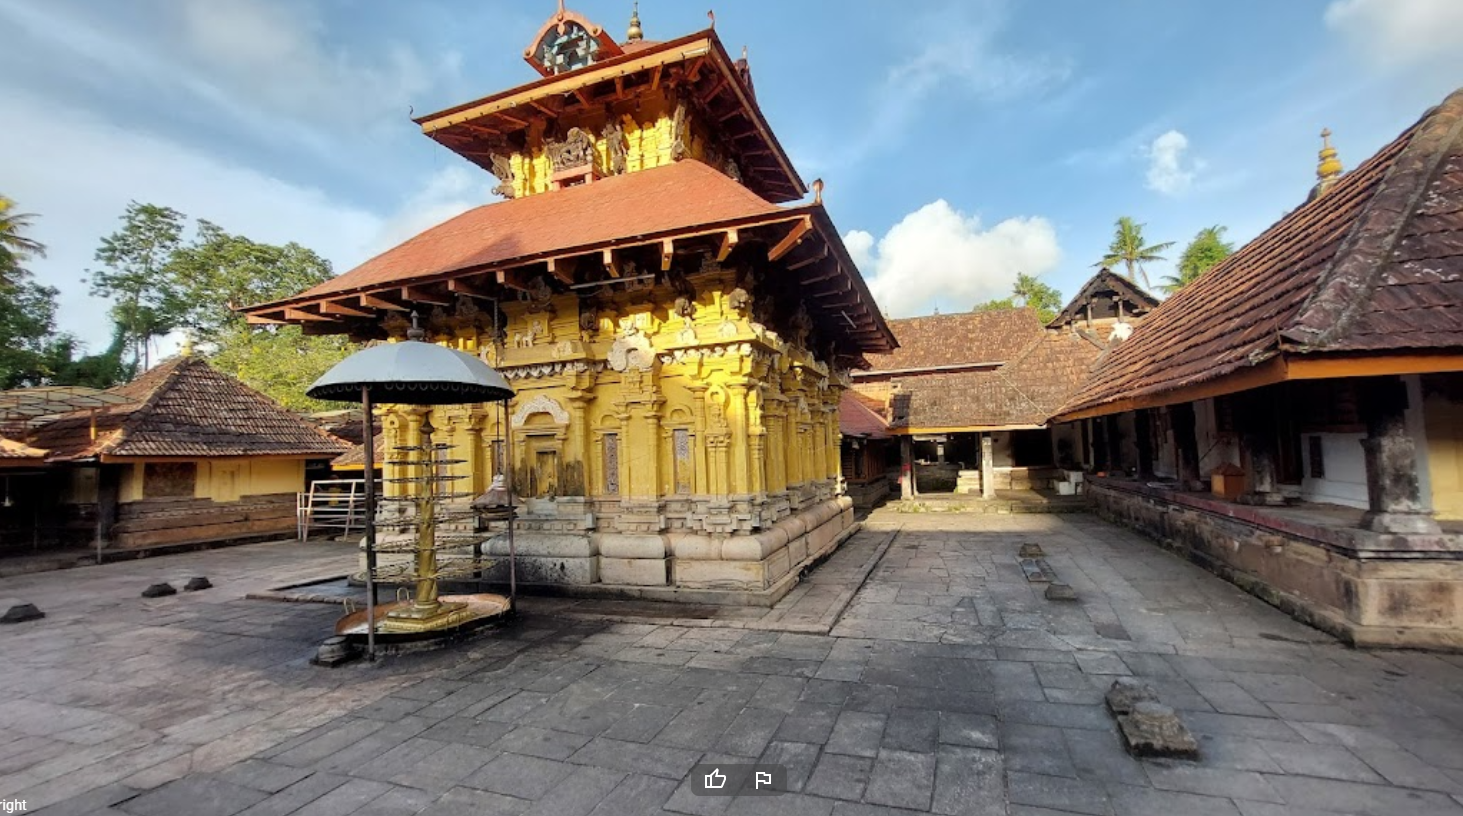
{"x": 667, "y": 254}
{"x": 612, "y": 264}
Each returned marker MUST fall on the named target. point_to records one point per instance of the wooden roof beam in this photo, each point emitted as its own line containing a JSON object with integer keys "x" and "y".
{"x": 811, "y": 259}
{"x": 379, "y": 301}
{"x": 611, "y": 263}
{"x": 728, "y": 243}
{"x": 330, "y": 307}
{"x": 419, "y": 294}
{"x": 667, "y": 254}
{"x": 302, "y": 316}
{"x": 795, "y": 235}
{"x": 515, "y": 279}
{"x": 261, "y": 320}
{"x": 562, "y": 269}
{"x": 468, "y": 288}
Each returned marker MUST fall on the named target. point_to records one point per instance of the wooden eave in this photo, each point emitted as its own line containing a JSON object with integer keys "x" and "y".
{"x": 470, "y": 129}
{"x": 1279, "y": 368}
{"x": 836, "y": 295}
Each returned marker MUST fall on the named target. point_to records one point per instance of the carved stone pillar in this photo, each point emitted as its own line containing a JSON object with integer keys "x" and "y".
{"x": 906, "y": 468}
{"x": 1394, "y": 495}
{"x": 987, "y": 467}
{"x": 740, "y": 482}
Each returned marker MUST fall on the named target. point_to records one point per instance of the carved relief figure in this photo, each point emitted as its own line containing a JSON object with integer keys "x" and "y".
{"x": 631, "y": 351}
{"x": 503, "y": 169}
{"x": 681, "y": 138}
{"x": 617, "y": 148}
{"x": 576, "y": 150}
{"x": 539, "y": 295}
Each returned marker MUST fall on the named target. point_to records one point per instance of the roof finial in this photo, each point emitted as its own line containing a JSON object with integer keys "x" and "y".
{"x": 416, "y": 332}
{"x": 635, "y": 34}
{"x": 1329, "y": 169}
{"x": 562, "y": 10}
{"x": 186, "y": 349}
{"x": 711, "y": 15}
{"x": 817, "y": 191}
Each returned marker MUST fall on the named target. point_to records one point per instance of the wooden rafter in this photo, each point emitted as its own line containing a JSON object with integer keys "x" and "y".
{"x": 330, "y": 307}
{"x": 382, "y": 302}
{"x": 796, "y": 234}
{"x": 261, "y": 320}
{"x": 562, "y": 269}
{"x": 515, "y": 279}
{"x": 611, "y": 263}
{"x": 302, "y": 316}
{"x": 468, "y": 288}
{"x": 728, "y": 243}
{"x": 811, "y": 259}
{"x": 667, "y": 254}
{"x": 419, "y": 294}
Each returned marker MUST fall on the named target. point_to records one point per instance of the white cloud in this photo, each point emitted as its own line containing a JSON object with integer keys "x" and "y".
{"x": 1401, "y": 33}
{"x": 939, "y": 256}
{"x": 1170, "y": 172}
{"x": 95, "y": 168}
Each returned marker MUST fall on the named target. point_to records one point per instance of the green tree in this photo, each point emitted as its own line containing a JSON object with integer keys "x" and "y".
{"x": 146, "y": 301}
{"x": 15, "y": 246}
{"x": 102, "y": 370}
{"x": 27, "y": 309}
{"x": 1027, "y": 291}
{"x": 219, "y": 271}
{"x": 279, "y": 361}
{"x": 1207, "y": 249}
{"x": 1130, "y": 249}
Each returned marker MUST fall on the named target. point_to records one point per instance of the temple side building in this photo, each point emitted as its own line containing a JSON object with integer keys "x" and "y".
{"x": 967, "y": 396}
{"x": 678, "y": 327}
{"x": 181, "y": 456}
{"x": 1294, "y": 419}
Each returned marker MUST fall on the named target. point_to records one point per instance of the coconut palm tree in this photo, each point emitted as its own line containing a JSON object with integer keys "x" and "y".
{"x": 1129, "y": 250}
{"x": 14, "y": 246}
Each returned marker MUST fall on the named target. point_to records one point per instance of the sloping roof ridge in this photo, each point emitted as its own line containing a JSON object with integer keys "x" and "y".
{"x": 1349, "y": 281}
{"x": 1093, "y": 282}
{"x": 166, "y": 374}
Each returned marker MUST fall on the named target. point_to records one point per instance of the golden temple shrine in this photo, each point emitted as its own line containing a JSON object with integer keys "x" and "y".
{"x": 678, "y": 327}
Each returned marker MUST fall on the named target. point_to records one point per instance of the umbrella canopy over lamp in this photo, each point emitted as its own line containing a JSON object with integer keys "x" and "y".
{"x": 411, "y": 372}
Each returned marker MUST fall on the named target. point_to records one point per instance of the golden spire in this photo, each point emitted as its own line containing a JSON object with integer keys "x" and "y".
{"x": 635, "y": 34}
{"x": 1329, "y": 168}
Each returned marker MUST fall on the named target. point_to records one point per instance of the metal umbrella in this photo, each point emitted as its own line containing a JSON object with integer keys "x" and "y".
{"x": 411, "y": 372}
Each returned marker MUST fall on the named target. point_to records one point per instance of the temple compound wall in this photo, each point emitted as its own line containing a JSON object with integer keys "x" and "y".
{"x": 661, "y": 444}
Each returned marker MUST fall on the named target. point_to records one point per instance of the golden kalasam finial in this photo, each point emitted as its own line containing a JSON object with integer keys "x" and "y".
{"x": 817, "y": 191}
{"x": 635, "y": 34}
{"x": 186, "y": 349}
{"x": 1329, "y": 168}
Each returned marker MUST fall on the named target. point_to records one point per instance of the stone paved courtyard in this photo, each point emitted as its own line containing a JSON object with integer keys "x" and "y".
{"x": 947, "y": 684}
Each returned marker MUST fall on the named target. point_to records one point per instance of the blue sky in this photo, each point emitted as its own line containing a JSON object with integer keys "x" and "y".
{"x": 961, "y": 142}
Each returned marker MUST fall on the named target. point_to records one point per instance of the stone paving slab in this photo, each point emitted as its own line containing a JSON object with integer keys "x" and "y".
{"x": 948, "y": 684}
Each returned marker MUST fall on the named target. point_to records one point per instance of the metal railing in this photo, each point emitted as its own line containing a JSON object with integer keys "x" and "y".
{"x": 333, "y": 505}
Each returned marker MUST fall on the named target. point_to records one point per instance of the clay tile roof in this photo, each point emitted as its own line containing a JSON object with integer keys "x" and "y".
{"x": 1024, "y": 392}
{"x": 185, "y": 408}
{"x": 964, "y": 338}
{"x": 856, "y": 417}
{"x": 355, "y": 458}
{"x": 676, "y": 196}
{"x": 12, "y": 451}
{"x": 1375, "y": 264}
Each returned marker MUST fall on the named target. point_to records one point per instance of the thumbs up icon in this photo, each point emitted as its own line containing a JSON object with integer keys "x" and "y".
{"x": 716, "y": 780}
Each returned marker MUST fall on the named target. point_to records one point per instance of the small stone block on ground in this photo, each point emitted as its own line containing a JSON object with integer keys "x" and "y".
{"x": 1036, "y": 570}
{"x": 1057, "y": 591}
{"x": 197, "y": 583}
{"x": 1154, "y": 730}
{"x": 1126, "y": 693}
{"x": 1031, "y": 551}
{"x": 159, "y": 591}
{"x": 20, "y": 613}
